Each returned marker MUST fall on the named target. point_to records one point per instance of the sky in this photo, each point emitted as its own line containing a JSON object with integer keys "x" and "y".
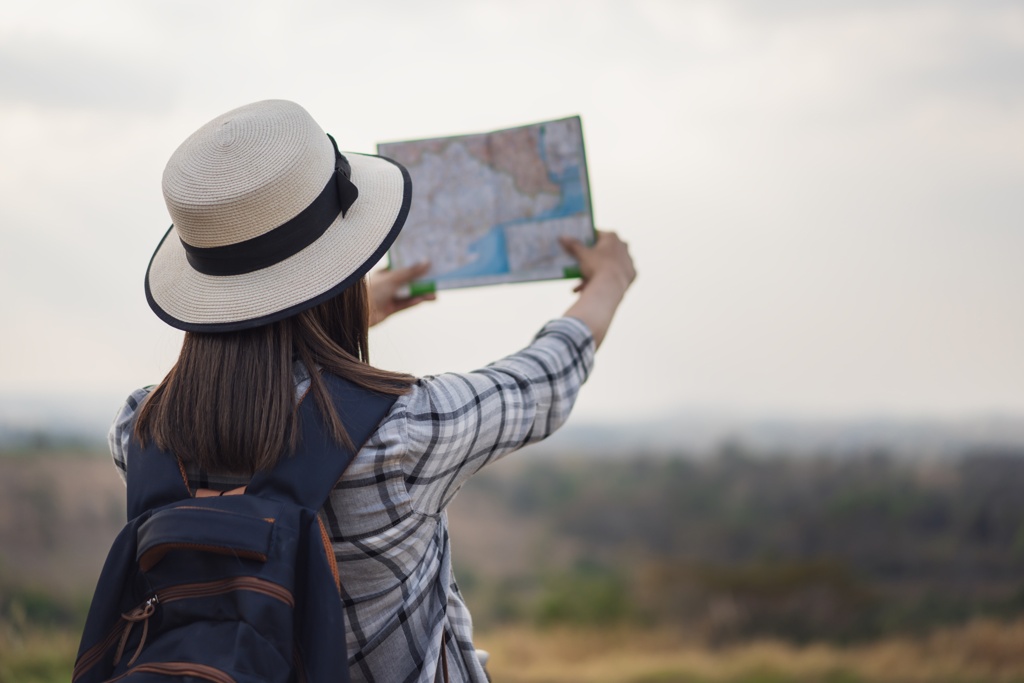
{"x": 824, "y": 201}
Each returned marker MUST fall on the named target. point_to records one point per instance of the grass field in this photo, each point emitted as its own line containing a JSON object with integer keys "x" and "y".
{"x": 980, "y": 651}
{"x": 36, "y": 656}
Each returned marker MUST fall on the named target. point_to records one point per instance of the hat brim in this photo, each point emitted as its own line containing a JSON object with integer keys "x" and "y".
{"x": 192, "y": 301}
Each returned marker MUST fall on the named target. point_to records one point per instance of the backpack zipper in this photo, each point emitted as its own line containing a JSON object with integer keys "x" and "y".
{"x": 208, "y": 588}
{"x": 91, "y": 656}
{"x": 141, "y": 613}
{"x": 182, "y": 592}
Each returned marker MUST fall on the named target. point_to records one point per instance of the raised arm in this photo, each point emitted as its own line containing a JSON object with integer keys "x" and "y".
{"x": 454, "y": 424}
{"x": 457, "y": 423}
{"x": 608, "y": 272}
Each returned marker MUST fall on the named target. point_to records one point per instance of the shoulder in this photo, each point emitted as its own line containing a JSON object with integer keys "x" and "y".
{"x": 121, "y": 429}
{"x": 126, "y": 413}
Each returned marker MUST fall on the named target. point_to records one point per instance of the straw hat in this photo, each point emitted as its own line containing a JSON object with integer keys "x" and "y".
{"x": 269, "y": 219}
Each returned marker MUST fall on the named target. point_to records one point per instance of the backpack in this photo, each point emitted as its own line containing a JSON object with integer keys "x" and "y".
{"x": 229, "y": 588}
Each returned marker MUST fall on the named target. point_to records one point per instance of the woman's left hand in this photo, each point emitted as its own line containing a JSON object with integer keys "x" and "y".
{"x": 384, "y": 287}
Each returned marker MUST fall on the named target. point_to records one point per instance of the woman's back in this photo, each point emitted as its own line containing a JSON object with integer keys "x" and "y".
{"x": 386, "y": 515}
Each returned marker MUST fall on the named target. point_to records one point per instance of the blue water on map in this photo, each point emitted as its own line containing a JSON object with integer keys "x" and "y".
{"x": 490, "y": 250}
{"x": 491, "y": 256}
{"x": 569, "y": 181}
{"x": 573, "y": 200}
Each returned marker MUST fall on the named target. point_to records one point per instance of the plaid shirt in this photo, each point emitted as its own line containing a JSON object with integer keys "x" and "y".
{"x": 386, "y": 515}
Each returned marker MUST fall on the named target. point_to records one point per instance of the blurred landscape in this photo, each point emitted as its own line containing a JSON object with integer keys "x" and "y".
{"x": 832, "y": 553}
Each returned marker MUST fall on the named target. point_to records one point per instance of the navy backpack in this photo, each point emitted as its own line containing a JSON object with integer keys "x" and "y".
{"x": 225, "y": 588}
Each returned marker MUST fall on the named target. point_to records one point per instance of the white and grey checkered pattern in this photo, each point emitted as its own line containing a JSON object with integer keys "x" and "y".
{"x": 386, "y": 515}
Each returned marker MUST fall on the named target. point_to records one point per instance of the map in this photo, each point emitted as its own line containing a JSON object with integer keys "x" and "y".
{"x": 489, "y": 208}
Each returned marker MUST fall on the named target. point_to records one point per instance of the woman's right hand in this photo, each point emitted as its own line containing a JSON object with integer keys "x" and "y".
{"x": 607, "y": 258}
{"x": 608, "y": 271}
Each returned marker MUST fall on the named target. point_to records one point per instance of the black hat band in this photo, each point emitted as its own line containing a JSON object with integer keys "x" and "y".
{"x": 287, "y": 239}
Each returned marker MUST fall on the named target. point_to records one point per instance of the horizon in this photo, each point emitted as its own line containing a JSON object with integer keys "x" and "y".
{"x": 689, "y": 430}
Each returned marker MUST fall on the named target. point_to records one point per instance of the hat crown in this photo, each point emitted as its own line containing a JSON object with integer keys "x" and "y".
{"x": 245, "y": 173}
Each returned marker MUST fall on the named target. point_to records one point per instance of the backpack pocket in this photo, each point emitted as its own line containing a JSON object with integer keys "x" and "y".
{"x": 204, "y": 529}
{"x": 219, "y": 652}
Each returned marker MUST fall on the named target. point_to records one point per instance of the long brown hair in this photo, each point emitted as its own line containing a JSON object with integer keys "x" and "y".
{"x": 229, "y": 404}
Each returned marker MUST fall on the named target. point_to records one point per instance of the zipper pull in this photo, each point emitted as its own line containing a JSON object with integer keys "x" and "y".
{"x": 141, "y": 613}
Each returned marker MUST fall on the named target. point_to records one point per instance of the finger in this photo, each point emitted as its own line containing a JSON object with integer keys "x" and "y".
{"x": 573, "y": 246}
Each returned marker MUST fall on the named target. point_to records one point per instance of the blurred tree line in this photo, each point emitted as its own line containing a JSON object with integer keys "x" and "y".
{"x": 737, "y": 545}
{"x": 726, "y": 547}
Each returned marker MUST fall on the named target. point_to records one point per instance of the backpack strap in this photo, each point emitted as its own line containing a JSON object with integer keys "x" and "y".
{"x": 308, "y": 476}
{"x": 154, "y": 479}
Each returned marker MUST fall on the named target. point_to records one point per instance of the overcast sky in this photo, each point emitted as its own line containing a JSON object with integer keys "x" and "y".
{"x": 825, "y": 201}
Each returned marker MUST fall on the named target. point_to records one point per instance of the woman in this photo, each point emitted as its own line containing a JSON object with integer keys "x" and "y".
{"x": 264, "y": 268}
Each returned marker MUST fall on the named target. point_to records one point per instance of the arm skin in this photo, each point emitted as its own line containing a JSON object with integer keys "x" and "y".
{"x": 608, "y": 272}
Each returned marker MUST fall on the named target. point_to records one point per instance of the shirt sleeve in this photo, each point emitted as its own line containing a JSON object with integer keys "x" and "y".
{"x": 457, "y": 423}
{"x": 121, "y": 431}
